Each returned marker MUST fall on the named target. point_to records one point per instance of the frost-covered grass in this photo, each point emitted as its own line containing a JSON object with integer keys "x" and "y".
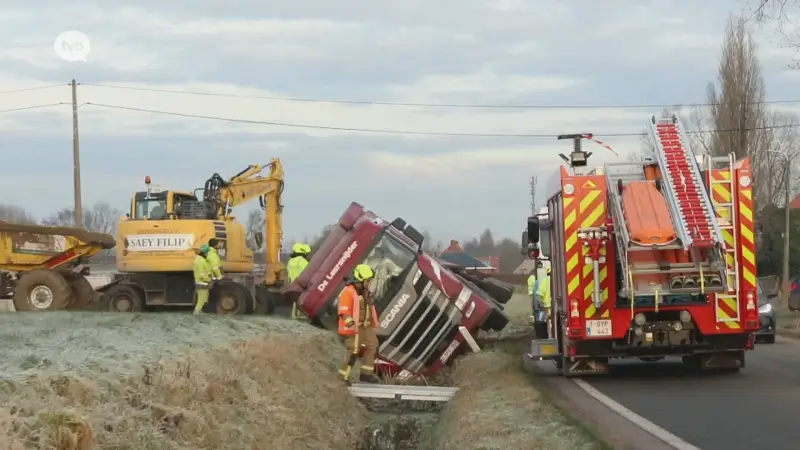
{"x": 498, "y": 406}
{"x": 81, "y": 381}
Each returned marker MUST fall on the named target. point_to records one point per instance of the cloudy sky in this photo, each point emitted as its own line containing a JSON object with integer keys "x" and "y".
{"x": 521, "y": 52}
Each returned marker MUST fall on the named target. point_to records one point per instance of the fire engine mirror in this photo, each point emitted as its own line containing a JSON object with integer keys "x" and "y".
{"x": 533, "y": 231}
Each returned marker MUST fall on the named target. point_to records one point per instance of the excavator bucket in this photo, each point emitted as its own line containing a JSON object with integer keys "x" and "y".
{"x": 29, "y": 247}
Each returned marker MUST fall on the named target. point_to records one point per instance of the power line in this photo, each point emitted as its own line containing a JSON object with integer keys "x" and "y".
{"x": 34, "y": 88}
{"x": 428, "y": 105}
{"x": 405, "y": 132}
{"x": 25, "y": 108}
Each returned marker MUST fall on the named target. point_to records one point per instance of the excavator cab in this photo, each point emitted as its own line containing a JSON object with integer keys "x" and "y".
{"x": 157, "y": 204}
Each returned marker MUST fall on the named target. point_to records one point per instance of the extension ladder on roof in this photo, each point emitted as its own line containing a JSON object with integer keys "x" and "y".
{"x": 690, "y": 206}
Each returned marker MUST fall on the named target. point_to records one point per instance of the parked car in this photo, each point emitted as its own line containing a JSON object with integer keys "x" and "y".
{"x": 766, "y": 316}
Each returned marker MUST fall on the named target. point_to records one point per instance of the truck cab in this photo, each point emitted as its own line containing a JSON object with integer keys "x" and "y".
{"x": 429, "y": 310}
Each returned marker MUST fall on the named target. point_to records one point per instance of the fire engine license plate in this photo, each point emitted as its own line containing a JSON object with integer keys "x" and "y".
{"x": 598, "y": 328}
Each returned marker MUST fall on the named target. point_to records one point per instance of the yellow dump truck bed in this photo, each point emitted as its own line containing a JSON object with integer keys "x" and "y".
{"x": 30, "y": 247}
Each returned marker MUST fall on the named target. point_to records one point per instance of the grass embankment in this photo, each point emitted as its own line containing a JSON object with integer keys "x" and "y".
{"x": 82, "y": 381}
{"x": 498, "y": 405}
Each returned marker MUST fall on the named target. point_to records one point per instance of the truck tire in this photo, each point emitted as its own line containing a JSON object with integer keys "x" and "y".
{"x": 229, "y": 298}
{"x": 42, "y": 290}
{"x": 265, "y": 301}
{"x": 123, "y": 298}
{"x": 83, "y": 293}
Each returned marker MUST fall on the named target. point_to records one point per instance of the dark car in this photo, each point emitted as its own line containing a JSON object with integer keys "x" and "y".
{"x": 766, "y": 316}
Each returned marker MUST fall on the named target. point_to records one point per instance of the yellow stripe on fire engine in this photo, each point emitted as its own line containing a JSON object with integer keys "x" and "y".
{"x": 748, "y": 236}
{"x": 727, "y": 236}
{"x": 722, "y": 190}
{"x": 726, "y": 320}
{"x": 588, "y": 291}
{"x": 571, "y": 248}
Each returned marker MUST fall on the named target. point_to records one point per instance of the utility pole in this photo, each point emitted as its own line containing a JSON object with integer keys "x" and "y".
{"x": 787, "y": 228}
{"x": 534, "y": 179}
{"x": 76, "y": 158}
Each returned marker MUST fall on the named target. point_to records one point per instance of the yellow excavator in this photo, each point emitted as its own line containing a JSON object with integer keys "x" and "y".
{"x": 158, "y": 239}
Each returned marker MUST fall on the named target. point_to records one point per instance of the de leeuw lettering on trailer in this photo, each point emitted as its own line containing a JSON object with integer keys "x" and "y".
{"x": 160, "y": 242}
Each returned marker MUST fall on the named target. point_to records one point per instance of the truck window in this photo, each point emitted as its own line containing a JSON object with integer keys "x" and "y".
{"x": 388, "y": 259}
{"x": 152, "y": 208}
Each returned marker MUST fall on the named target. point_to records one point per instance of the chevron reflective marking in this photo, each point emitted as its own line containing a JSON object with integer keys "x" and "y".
{"x": 592, "y": 213}
{"x": 747, "y": 239}
{"x": 722, "y": 195}
{"x": 571, "y": 246}
{"x": 726, "y": 311}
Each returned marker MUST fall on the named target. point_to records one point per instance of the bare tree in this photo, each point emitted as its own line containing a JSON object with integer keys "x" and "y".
{"x": 15, "y": 214}
{"x": 255, "y": 223}
{"x": 742, "y": 123}
{"x": 782, "y": 17}
{"x": 100, "y": 217}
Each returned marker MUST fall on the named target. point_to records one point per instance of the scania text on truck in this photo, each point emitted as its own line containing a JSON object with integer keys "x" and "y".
{"x": 650, "y": 259}
{"x": 429, "y": 310}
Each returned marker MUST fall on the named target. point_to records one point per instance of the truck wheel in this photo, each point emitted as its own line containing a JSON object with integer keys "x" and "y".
{"x": 42, "y": 290}
{"x": 265, "y": 301}
{"x": 123, "y": 298}
{"x": 229, "y": 298}
{"x": 83, "y": 292}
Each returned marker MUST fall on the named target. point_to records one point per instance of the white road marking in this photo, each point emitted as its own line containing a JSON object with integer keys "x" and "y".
{"x": 669, "y": 438}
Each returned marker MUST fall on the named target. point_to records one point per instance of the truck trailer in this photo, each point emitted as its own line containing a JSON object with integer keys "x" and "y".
{"x": 429, "y": 310}
{"x": 650, "y": 259}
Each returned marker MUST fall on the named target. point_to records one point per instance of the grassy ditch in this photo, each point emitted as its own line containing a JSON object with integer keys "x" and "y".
{"x": 77, "y": 381}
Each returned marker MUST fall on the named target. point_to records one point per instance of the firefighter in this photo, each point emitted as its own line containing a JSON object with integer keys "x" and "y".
{"x": 202, "y": 278}
{"x": 358, "y": 321}
{"x": 297, "y": 263}
{"x": 214, "y": 261}
{"x": 533, "y": 286}
{"x": 544, "y": 294}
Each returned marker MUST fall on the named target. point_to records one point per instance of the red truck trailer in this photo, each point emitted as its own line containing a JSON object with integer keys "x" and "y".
{"x": 429, "y": 310}
{"x": 650, "y": 259}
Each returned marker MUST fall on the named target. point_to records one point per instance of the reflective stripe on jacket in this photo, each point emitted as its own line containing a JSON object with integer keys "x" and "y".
{"x": 350, "y": 305}
{"x": 215, "y": 263}
{"x": 202, "y": 270}
{"x": 295, "y": 267}
{"x": 544, "y": 291}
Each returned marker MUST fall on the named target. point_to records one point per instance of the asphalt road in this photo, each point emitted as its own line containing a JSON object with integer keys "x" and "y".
{"x": 759, "y": 408}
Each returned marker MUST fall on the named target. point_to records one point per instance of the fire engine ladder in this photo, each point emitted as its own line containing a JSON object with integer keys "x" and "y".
{"x": 689, "y": 203}
{"x": 726, "y": 213}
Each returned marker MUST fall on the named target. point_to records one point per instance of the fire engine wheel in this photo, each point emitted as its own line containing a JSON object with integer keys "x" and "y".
{"x": 229, "y": 298}
{"x": 123, "y": 298}
{"x": 42, "y": 290}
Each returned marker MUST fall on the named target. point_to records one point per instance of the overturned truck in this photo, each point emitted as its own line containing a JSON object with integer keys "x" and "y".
{"x": 429, "y": 310}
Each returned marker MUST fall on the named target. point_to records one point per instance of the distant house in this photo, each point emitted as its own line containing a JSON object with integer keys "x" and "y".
{"x": 455, "y": 254}
{"x": 795, "y": 203}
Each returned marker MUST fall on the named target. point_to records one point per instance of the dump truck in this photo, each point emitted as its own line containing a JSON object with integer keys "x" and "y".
{"x": 44, "y": 268}
{"x": 429, "y": 310}
{"x": 650, "y": 259}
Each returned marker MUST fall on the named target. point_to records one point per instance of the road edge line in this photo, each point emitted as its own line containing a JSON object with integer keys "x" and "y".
{"x": 669, "y": 438}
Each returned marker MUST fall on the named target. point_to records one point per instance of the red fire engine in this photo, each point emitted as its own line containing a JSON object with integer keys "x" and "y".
{"x": 649, "y": 259}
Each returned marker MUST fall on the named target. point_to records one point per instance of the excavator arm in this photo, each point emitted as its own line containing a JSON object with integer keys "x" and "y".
{"x": 244, "y": 187}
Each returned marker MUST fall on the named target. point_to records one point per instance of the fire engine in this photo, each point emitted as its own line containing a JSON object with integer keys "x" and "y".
{"x": 649, "y": 259}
